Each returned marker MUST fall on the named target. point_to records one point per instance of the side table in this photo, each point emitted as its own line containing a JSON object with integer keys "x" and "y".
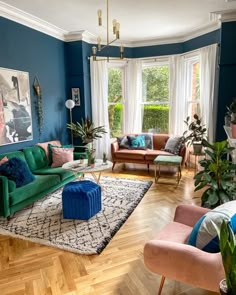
{"x": 196, "y": 156}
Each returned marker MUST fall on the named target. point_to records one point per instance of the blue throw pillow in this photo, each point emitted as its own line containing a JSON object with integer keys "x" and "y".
{"x": 137, "y": 142}
{"x": 17, "y": 170}
{"x": 204, "y": 235}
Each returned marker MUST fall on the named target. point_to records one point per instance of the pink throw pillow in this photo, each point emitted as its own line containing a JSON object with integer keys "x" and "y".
{"x": 44, "y": 145}
{"x": 61, "y": 156}
{"x": 3, "y": 160}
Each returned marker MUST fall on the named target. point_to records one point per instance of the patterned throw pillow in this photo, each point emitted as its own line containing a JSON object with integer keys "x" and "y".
{"x": 17, "y": 170}
{"x": 204, "y": 236}
{"x": 61, "y": 156}
{"x": 137, "y": 142}
{"x": 173, "y": 145}
{"x": 123, "y": 142}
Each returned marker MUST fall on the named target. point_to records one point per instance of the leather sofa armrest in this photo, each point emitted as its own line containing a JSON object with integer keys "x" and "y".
{"x": 114, "y": 147}
{"x": 189, "y": 214}
{"x": 4, "y": 197}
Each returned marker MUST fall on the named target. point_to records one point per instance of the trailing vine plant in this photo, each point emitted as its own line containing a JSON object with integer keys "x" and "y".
{"x": 39, "y": 106}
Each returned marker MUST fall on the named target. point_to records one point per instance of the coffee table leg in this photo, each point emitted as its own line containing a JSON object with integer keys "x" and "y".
{"x": 96, "y": 178}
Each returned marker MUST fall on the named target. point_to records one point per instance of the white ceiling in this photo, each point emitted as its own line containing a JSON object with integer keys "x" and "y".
{"x": 149, "y": 21}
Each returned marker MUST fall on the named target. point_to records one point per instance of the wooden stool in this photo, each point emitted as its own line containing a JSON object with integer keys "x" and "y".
{"x": 168, "y": 161}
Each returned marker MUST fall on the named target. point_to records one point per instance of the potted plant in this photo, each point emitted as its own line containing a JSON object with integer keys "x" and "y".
{"x": 195, "y": 133}
{"x": 232, "y": 109}
{"x": 233, "y": 128}
{"x": 86, "y": 130}
{"x": 216, "y": 175}
{"x": 227, "y": 243}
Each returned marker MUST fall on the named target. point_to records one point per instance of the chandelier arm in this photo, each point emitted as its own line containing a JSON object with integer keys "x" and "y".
{"x": 107, "y": 44}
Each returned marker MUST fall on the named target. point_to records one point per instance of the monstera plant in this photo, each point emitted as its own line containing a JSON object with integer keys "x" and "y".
{"x": 217, "y": 175}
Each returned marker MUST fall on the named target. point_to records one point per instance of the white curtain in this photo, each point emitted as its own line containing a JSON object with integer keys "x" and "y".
{"x": 178, "y": 98}
{"x": 132, "y": 114}
{"x": 207, "y": 87}
{"x": 99, "y": 103}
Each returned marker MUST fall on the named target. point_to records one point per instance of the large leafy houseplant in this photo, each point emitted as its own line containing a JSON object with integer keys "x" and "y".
{"x": 86, "y": 130}
{"x": 195, "y": 133}
{"x": 216, "y": 175}
{"x": 228, "y": 253}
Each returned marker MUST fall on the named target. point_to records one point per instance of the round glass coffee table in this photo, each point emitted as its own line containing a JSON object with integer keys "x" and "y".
{"x": 82, "y": 166}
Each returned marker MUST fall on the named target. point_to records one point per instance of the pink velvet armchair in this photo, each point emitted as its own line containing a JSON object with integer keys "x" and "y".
{"x": 170, "y": 256}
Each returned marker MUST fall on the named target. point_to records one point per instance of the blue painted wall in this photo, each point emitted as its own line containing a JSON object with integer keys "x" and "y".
{"x": 227, "y": 78}
{"x": 38, "y": 54}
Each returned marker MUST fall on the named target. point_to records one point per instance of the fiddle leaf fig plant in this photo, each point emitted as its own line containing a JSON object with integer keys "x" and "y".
{"x": 216, "y": 175}
{"x": 228, "y": 253}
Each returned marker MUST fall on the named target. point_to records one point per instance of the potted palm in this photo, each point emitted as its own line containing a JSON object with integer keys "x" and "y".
{"x": 216, "y": 175}
{"x": 195, "y": 133}
{"x": 228, "y": 253}
{"x": 86, "y": 130}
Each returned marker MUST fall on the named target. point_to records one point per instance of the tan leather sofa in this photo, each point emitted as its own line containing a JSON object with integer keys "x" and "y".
{"x": 144, "y": 156}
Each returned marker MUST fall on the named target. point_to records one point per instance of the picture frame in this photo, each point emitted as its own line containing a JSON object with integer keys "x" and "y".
{"x": 15, "y": 107}
{"x": 76, "y": 96}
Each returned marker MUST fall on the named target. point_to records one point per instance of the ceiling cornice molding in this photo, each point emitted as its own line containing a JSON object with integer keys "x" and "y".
{"x": 31, "y": 21}
{"x": 38, "y": 24}
{"x": 225, "y": 15}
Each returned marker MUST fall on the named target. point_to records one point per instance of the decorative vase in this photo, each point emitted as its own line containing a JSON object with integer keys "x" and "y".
{"x": 233, "y": 130}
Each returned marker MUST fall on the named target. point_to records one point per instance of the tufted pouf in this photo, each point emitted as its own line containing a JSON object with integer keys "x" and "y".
{"x": 81, "y": 199}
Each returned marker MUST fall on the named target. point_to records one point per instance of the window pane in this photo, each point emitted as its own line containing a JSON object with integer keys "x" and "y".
{"x": 115, "y": 100}
{"x": 156, "y": 117}
{"x": 155, "y": 84}
{"x": 195, "y": 82}
{"x": 114, "y": 85}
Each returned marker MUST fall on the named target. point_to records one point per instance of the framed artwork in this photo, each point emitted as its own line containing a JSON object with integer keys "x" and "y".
{"x": 76, "y": 96}
{"x": 15, "y": 107}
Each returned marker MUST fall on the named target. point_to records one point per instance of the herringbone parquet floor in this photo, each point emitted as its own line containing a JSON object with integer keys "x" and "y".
{"x": 32, "y": 269}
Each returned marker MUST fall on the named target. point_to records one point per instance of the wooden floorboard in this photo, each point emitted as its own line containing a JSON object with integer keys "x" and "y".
{"x": 33, "y": 269}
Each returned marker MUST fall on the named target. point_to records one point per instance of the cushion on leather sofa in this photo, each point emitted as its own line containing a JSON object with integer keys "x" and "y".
{"x": 130, "y": 154}
{"x": 40, "y": 184}
{"x": 152, "y": 154}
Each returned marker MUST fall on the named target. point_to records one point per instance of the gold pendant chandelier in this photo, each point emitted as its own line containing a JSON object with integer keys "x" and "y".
{"x": 116, "y": 36}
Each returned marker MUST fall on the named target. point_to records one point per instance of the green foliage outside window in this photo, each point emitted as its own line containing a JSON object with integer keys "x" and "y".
{"x": 155, "y": 116}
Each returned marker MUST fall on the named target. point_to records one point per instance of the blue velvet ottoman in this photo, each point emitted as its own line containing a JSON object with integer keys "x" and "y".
{"x": 81, "y": 199}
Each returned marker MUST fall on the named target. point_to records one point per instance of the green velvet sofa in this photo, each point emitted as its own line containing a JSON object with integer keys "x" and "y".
{"x": 47, "y": 179}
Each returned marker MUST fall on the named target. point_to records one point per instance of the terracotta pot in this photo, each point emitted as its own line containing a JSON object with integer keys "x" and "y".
{"x": 233, "y": 130}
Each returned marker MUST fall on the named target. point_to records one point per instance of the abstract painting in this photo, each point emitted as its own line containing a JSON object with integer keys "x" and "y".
{"x": 15, "y": 107}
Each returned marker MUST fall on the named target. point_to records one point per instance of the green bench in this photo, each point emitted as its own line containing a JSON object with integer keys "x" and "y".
{"x": 168, "y": 161}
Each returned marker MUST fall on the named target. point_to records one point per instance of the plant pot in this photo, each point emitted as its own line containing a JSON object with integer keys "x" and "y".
{"x": 227, "y": 120}
{"x": 233, "y": 130}
{"x": 197, "y": 148}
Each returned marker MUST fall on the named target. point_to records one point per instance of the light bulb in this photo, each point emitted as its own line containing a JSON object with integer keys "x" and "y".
{"x": 114, "y": 25}
{"x": 69, "y": 104}
{"x": 100, "y": 17}
{"x": 117, "y": 30}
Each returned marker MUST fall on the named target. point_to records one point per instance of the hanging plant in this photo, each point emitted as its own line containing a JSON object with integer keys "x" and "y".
{"x": 39, "y": 106}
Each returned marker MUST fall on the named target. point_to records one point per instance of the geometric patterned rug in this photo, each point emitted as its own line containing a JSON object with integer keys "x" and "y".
{"x": 43, "y": 221}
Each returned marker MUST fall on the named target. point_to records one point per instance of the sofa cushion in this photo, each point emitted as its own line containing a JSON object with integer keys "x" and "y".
{"x": 173, "y": 145}
{"x": 130, "y": 154}
{"x": 61, "y": 156}
{"x": 44, "y": 146}
{"x": 3, "y": 160}
{"x": 123, "y": 142}
{"x": 35, "y": 157}
{"x": 152, "y": 154}
{"x": 137, "y": 142}
{"x": 50, "y": 146}
{"x": 64, "y": 174}
{"x": 204, "y": 235}
{"x": 17, "y": 170}
{"x": 39, "y": 185}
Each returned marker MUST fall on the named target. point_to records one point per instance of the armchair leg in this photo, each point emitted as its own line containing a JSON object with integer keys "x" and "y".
{"x": 161, "y": 285}
{"x": 113, "y": 166}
